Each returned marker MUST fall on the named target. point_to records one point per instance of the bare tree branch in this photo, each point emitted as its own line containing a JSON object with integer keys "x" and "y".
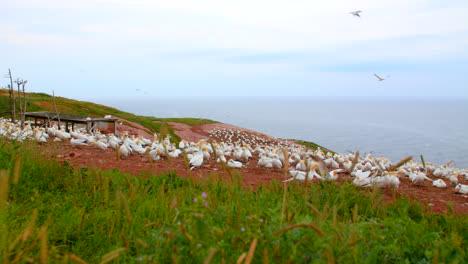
{"x": 12, "y": 97}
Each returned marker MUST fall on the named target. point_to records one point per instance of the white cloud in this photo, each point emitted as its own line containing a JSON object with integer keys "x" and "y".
{"x": 12, "y": 34}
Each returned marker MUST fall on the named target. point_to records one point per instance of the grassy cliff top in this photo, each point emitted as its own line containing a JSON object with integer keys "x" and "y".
{"x": 44, "y": 102}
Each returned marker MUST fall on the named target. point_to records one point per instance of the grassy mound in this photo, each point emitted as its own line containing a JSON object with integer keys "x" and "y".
{"x": 51, "y": 212}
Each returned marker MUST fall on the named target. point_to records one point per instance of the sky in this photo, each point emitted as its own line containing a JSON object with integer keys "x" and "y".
{"x": 161, "y": 48}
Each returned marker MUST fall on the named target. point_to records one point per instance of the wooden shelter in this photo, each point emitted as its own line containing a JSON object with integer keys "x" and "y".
{"x": 91, "y": 123}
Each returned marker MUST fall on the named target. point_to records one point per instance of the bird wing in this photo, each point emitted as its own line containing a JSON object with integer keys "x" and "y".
{"x": 378, "y": 77}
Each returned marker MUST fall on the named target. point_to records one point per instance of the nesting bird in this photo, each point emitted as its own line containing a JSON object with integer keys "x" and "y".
{"x": 461, "y": 188}
{"x": 418, "y": 177}
{"x": 196, "y": 160}
{"x": 439, "y": 183}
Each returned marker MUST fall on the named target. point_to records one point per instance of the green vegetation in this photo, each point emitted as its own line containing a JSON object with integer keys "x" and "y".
{"x": 312, "y": 145}
{"x": 51, "y": 212}
{"x": 44, "y": 102}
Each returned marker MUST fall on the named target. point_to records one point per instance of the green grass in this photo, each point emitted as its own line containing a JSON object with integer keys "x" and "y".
{"x": 58, "y": 214}
{"x": 312, "y": 145}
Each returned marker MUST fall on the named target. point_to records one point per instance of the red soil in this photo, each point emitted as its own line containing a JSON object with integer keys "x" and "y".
{"x": 435, "y": 198}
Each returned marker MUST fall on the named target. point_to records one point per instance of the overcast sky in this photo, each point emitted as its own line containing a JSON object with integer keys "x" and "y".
{"x": 111, "y": 48}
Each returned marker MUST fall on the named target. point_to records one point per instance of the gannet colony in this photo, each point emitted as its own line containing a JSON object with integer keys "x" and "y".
{"x": 235, "y": 148}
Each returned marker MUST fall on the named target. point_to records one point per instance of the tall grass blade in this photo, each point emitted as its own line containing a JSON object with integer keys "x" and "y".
{"x": 210, "y": 256}
{"x": 284, "y": 203}
{"x": 251, "y": 253}
{"x": 112, "y": 255}
{"x": 76, "y": 259}
{"x": 241, "y": 258}
{"x": 286, "y": 161}
{"x": 4, "y": 178}
{"x": 16, "y": 170}
{"x": 42, "y": 235}
{"x": 354, "y": 162}
{"x": 126, "y": 207}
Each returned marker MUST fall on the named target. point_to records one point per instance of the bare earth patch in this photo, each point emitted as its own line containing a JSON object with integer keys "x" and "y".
{"x": 435, "y": 198}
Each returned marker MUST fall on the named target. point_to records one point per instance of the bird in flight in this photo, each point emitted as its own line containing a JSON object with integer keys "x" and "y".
{"x": 141, "y": 91}
{"x": 380, "y": 78}
{"x": 356, "y": 13}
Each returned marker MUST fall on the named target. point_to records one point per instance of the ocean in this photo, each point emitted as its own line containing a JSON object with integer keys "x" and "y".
{"x": 394, "y": 127}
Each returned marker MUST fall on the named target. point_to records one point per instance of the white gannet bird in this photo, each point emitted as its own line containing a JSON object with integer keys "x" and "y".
{"x": 302, "y": 175}
{"x": 40, "y": 136}
{"x": 221, "y": 159}
{"x": 234, "y": 164}
{"x": 138, "y": 149}
{"x": 330, "y": 162}
{"x": 294, "y": 158}
{"x": 296, "y": 175}
{"x": 196, "y": 160}
{"x": 246, "y": 154}
{"x": 332, "y": 175}
{"x": 439, "y": 183}
{"x": 390, "y": 179}
{"x": 301, "y": 165}
{"x": 183, "y": 144}
{"x": 276, "y": 163}
{"x": 402, "y": 173}
{"x": 380, "y": 78}
{"x": 347, "y": 164}
{"x": 125, "y": 150}
{"x": 113, "y": 143}
{"x": 78, "y": 142}
{"x": 206, "y": 153}
{"x": 464, "y": 173}
{"x": 368, "y": 166}
{"x": 174, "y": 153}
{"x": 155, "y": 154}
{"x": 418, "y": 177}
{"x": 265, "y": 161}
{"x": 441, "y": 172}
{"x": 461, "y": 188}
{"x": 454, "y": 179}
{"x": 356, "y": 13}
{"x": 100, "y": 144}
{"x": 362, "y": 178}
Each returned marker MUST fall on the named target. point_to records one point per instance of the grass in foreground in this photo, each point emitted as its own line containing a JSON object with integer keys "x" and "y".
{"x": 51, "y": 212}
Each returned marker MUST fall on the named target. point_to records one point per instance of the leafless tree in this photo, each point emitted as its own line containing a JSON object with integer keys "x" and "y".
{"x": 20, "y": 96}
{"x": 12, "y": 97}
{"x": 22, "y": 99}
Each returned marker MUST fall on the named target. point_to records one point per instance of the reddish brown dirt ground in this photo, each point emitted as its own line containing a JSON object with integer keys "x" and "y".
{"x": 435, "y": 198}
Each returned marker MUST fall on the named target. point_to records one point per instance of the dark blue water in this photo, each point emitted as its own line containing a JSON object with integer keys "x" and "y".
{"x": 393, "y": 127}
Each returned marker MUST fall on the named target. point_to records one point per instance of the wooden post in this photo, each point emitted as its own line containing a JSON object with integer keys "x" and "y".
{"x": 23, "y": 116}
{"x": 56, "y": 111}
{"x": 12, "y": 98}
{"x": 21, "y": 99}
